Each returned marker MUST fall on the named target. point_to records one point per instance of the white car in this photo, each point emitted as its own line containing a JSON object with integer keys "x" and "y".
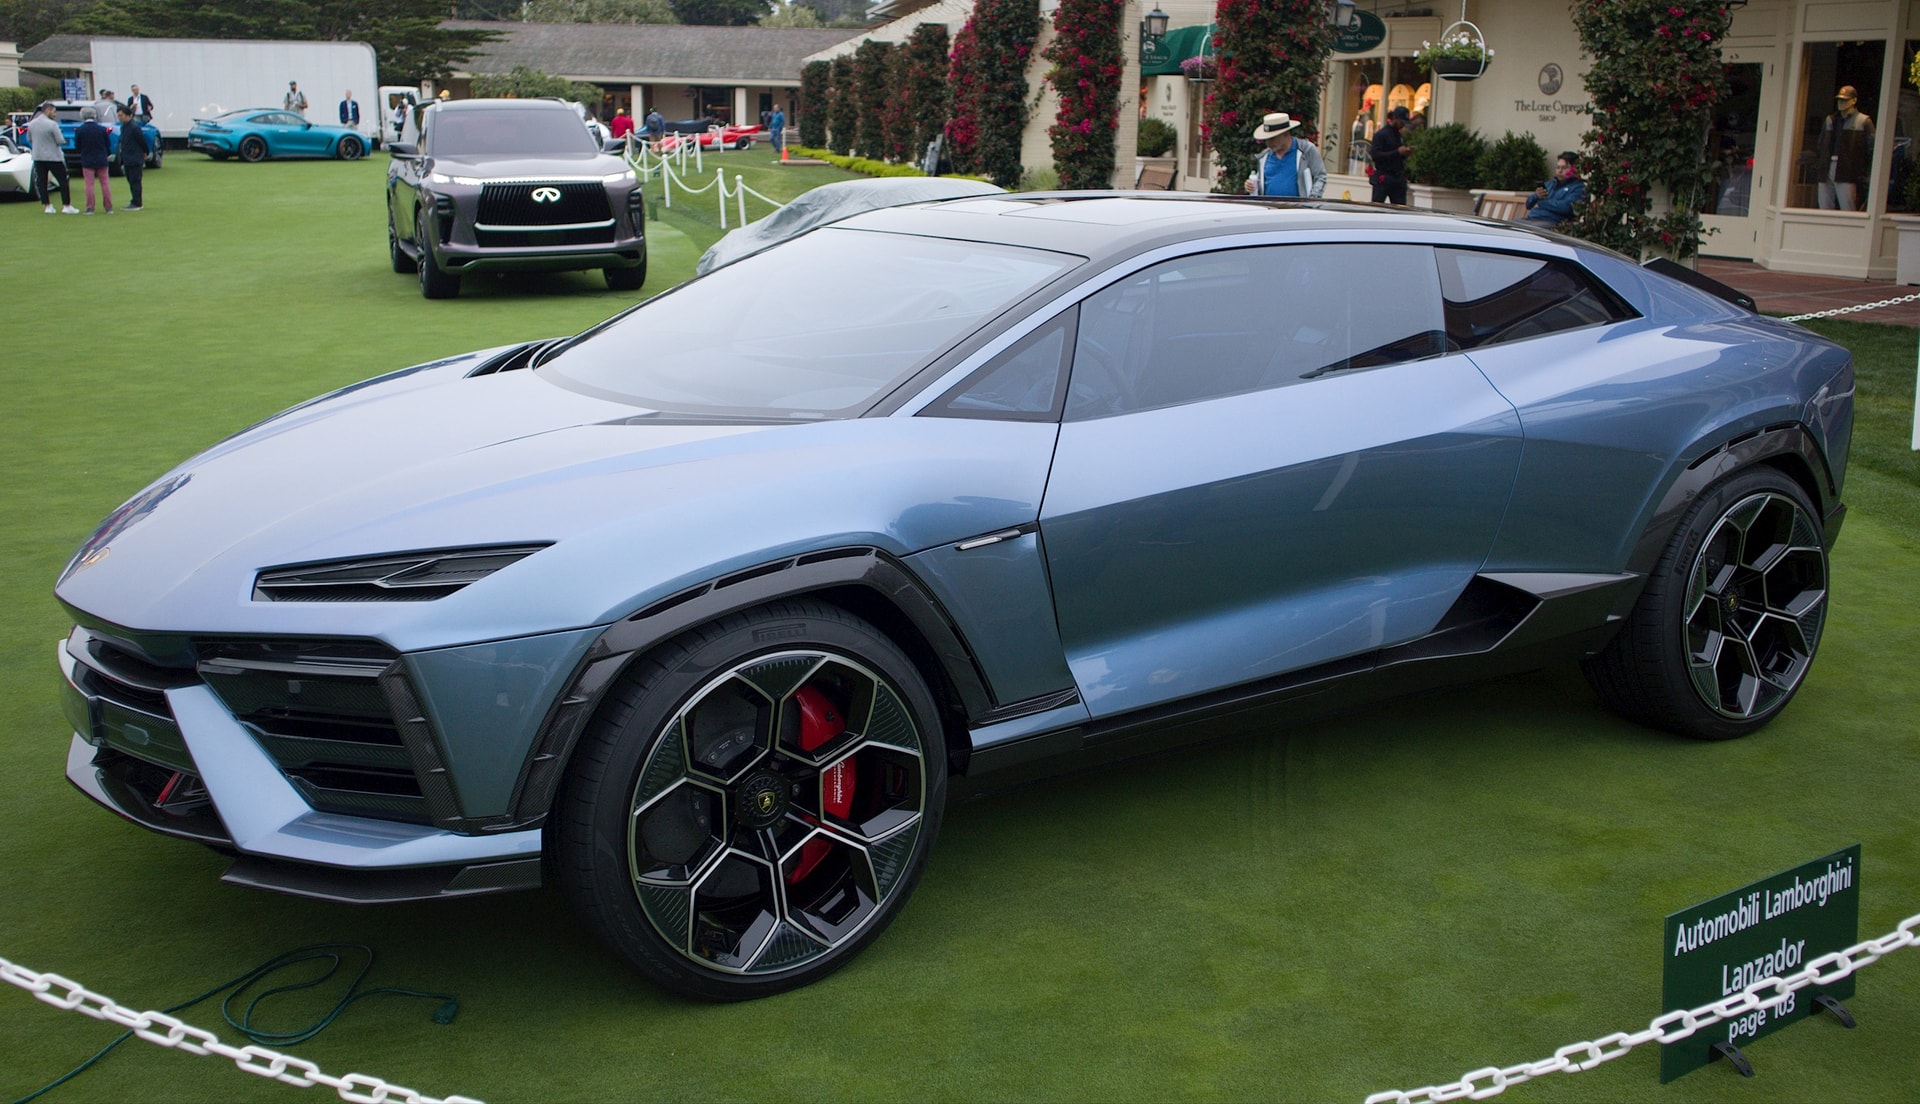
{"x": 16, "y": 168}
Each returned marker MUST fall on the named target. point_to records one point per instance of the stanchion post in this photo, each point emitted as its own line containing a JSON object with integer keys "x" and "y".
{"x": 740, "y": 196}
{"x": 720, "y": 187}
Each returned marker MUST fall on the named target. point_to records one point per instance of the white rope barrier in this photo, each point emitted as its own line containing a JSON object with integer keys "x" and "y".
{"x": 1669, "y": 1027}
{"x": 164, "y": 1030}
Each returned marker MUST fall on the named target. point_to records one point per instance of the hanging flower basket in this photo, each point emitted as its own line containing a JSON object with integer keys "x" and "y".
{"x": 1202, "y": 68}
{"x": 1461, "y": 54}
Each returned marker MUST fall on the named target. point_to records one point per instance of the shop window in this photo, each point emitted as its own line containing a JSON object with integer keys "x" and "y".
{"x": 1840, "y": 98}
{"x": 1903, "y": 184}
{"x": 1234, "y": 321}
{"x": 1494, "y": 298}
{"x": 1367, "y": 89}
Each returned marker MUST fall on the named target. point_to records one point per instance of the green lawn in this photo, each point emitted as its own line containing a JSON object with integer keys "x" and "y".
{"x": 1387, "y": 900}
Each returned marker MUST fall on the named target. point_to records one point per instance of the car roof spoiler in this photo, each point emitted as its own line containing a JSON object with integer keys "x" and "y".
{"x": 1707, "y": 284}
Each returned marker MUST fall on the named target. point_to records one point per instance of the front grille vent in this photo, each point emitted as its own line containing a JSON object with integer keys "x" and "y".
{"x": 503, "y": 205}
{"x": 321, "y": 710}
{"x": 403, "y": 577}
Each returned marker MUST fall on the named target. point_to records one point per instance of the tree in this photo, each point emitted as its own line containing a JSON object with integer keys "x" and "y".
{"x": 843, "y": 112}
{"x": 523, "y": 83}
{"x": 873, "y": 91}
{"x": 597, "y": 11}
{"x": 924, "y": 88}
{"x": 990, "y": 87}
{"x": 793, "y": 15}
{"x": 1273, "y": 54}
{"x": 27, "y": 23}
{"x": 833, "y": 11}
{"x": 721, "y": 13}
{"x": 1087, "y": 64}
{"x": 1656, "y": 75}
{"x": 815, "y": 94}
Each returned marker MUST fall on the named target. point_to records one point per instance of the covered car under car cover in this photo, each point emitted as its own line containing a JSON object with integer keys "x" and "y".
{"x": 831, "y": 203}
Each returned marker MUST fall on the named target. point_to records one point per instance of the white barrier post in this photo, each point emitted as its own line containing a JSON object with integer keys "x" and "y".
{"x": 740, "y": 195}
{"x": 720, "y": 180}
{"x": 666, "y": 183}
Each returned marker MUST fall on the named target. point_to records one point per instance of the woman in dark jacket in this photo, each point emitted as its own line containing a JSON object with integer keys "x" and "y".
{"x": 95, "y": 150}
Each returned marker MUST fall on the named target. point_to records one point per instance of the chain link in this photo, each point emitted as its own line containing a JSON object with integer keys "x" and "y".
{"x": 1855, "y": 309}
{"x": 183, "y": 1036}
{"x": 1668, "y": 1027}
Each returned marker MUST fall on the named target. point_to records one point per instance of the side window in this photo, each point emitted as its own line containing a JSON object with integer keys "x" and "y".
{"x": 1498, "y": 297}
{"x": 1021, "y": 384}
{"x": 1234, "y": 321}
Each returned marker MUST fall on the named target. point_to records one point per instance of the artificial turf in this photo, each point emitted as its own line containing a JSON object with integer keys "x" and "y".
{"x": 1386, "y": 900}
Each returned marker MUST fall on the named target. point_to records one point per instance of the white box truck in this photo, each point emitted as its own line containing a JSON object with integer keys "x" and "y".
{"x": 192, "y": 79}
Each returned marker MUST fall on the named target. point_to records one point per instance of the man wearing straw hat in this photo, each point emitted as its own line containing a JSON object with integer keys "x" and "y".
{"x": 1289, "y": 166}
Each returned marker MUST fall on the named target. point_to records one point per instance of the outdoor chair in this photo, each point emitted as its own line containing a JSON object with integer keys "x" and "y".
{"x": 1503, "y": 206}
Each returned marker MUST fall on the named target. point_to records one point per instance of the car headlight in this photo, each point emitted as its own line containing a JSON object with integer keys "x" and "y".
{"x": 443, "y": 178}
{"x": 618, "y": 178}
{"x": 402, "y": 577}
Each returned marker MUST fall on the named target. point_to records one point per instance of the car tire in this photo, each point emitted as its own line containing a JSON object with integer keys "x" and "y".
{"x": 627, "y": 279}
{"x": 253, "y": 149}
{"x": 402, "y": 261}
{"x": 351, "y": 149}
{"x": 1724, "y": 633}
{"x": 754, "y": 802}
{"x": 155, "y": 157}
{"x": 435, "y": 282}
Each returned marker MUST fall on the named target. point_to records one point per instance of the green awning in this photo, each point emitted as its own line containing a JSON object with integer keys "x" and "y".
{"x": 1179, "y": 44}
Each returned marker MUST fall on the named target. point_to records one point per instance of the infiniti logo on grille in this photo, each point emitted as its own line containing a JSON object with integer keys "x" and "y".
{"x": 546, "y": 195}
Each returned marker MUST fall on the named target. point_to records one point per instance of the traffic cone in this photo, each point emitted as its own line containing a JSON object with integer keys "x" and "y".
{"x": 783, "y": 152}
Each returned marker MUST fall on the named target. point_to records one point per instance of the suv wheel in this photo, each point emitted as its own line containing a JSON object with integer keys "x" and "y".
{"x": 434, "y": 282}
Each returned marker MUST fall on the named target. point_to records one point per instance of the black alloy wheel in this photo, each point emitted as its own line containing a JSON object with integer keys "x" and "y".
{"x": 351, "y": 149}
{"x": 1727, "y": 628}
{"x": 253, "y": 148}
{"x": 754, "y": 803}
{"x": 155, "y": 156}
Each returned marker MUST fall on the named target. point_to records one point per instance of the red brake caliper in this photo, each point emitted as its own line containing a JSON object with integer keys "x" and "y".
{"x": 820, "y": 722}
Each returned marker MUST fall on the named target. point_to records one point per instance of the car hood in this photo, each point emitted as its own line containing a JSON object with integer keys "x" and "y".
{"x": 530, "y": 168}
{"x": 432, "y": 458}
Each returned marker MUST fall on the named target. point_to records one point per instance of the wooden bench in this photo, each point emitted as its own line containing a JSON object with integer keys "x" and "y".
{"x": 1502, "y": 206}
{"x": 1154, "y": 178}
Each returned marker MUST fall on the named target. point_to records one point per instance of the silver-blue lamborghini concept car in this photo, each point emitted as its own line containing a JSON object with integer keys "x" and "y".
{"x": 699, "y": 619}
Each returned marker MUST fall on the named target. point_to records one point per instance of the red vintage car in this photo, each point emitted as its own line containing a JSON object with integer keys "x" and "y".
{"x": 714, "y": 137}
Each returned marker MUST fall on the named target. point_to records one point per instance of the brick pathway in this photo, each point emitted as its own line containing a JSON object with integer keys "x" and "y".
{"x": 1791, "y": 293}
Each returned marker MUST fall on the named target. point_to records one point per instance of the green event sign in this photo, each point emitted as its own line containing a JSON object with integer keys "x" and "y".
{"x": 1363, "y": 34}
{"x": 1154, "y": 53}
{"x": 1770, "y": 928}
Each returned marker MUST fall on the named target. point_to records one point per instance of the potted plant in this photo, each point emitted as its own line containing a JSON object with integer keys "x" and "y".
{"x": 1461, "y": 54}
{"x": 1444, "y": 164}
{"x": 1204, "y": 67}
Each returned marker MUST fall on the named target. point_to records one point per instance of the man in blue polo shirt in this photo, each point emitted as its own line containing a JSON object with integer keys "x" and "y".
{"x": 1289, "y": 166}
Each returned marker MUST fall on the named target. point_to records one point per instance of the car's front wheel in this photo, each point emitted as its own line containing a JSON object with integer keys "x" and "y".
{"x": 754, "y": 803}
{"x": 1726, "y": 630}
{"x": 435, "y": 282}
{"x": 351, "y": 149}
{"x": 253, "y": 148}
{"x": 626, "y": 279}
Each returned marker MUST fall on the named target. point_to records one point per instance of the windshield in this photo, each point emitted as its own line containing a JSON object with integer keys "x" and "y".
{"x": 510, "y": 131}
{"x": 819, "y": 327}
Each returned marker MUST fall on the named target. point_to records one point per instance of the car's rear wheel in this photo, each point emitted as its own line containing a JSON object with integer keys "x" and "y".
{"x": 626, "y": 279}
{"x": 402, "y": 262}
{"x": 155, "y": 157}
{"x": 351, "y": 149}
{"x": 435, "y": 282}
{"x": 253, "y": 149}
{"x": 754, "y": 803}
{"x": 1726, "y": 630}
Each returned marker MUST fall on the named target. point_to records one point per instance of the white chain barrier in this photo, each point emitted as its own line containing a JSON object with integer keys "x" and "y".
{"x": 164, "y": 1030}
{"x": 1855, "y": 309}
{"x": 1670, "y": 1027}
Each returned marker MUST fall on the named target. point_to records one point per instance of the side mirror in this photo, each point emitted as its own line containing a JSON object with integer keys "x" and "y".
{"x": 403, "y": 149}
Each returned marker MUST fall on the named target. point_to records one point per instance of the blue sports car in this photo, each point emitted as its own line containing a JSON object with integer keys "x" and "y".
{"x": 257, "y": 133}
{"x": 700, "y": 619}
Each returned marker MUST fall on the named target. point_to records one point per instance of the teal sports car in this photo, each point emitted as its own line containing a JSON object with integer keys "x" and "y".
{"x": 257, "y": 133}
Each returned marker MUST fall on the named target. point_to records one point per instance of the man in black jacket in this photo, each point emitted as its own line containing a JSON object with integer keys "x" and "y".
{"x": 1390, "y": 160}
{"x": 133, "y": 153}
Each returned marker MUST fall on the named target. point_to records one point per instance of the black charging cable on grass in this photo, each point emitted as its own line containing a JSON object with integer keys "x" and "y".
{"x": 335, "y": 956}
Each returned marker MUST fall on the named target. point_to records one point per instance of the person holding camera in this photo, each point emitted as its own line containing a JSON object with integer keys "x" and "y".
{"x": 1552, "y": 203}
